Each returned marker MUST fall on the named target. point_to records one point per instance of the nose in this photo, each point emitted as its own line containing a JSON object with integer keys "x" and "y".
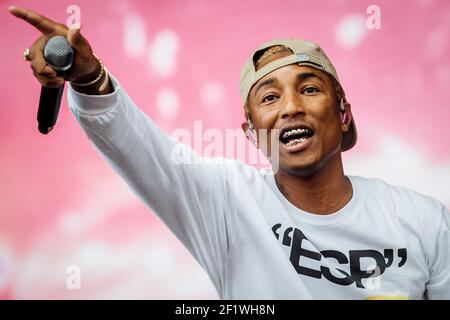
{"x": 292, "y": 106}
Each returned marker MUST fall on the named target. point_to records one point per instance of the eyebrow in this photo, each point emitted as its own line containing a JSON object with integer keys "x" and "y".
{"x": 307, "y": 75}
{"x": 301, "y": 76}
{"x": 264, "y": 83}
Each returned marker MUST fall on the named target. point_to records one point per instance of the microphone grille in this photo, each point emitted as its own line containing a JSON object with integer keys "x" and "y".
{"x": 58, "y": 53}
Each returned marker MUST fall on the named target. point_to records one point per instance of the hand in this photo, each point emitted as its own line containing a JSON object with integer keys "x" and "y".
{"x": 85, "y": 66}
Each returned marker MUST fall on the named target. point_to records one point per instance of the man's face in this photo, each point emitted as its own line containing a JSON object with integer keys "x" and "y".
{"x": 299, "y": 97}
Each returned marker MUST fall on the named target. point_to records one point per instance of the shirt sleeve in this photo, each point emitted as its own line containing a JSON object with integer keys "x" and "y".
{"x": 438, "y": 286}
{"x": 188, "y": 193}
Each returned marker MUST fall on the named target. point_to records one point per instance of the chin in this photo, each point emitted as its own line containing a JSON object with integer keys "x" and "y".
{"x": 307, "y": 163}
{"x": 300, "y": 167}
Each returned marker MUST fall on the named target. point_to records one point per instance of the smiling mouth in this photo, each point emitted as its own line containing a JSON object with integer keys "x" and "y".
{"x": 294, "y": 136}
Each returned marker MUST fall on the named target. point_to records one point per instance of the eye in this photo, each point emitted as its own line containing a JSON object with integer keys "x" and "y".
{"x": 269, "y": 98}
{"x": 310, "y": 90}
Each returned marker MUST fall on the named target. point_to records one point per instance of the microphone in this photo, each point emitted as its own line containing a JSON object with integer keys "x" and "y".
{"x": 59, "y": 55}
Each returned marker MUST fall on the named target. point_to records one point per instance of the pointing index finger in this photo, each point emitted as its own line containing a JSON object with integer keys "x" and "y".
{"x": 46, "y": 26}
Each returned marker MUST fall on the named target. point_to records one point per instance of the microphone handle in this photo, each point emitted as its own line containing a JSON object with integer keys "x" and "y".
{"x": 49, "y": 104}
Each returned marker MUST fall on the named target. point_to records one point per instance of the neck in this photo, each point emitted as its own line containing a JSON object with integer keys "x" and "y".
{"x": 324, "y": 192}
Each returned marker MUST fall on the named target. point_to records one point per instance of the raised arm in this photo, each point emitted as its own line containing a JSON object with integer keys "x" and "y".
{"x": 192, "y": 199}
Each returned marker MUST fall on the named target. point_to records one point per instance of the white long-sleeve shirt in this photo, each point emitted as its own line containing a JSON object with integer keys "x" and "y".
{"x": 388, "y": 241}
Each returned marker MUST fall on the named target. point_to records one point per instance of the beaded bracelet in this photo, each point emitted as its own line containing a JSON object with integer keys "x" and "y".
{"x": 100, "y": 75}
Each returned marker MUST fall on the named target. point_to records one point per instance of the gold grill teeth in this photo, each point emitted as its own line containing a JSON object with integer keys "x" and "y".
{"x": 294, "y": 131}
{"x": 295, "y": 141}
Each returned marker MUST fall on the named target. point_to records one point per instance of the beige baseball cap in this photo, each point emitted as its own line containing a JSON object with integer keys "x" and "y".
{"x": 304, "y": 53}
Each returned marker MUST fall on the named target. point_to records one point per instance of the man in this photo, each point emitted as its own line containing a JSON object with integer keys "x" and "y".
{"x": 306, "y": 232}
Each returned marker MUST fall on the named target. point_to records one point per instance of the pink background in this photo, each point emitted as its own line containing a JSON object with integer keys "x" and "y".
{"x": 60, "y": 203}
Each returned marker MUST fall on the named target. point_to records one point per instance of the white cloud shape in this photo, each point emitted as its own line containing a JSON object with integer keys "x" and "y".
{"x": 95, "y": 202}
{"x": 212, "y": 94}
{"x": 350, "y": 31}
{"x": 405, "y": 164}
{"x": 6, "y": 263}
{"x": 135, "y": 37}
{"x": 163, "y": 53}
{"x": 167, "y": 103}
{"x": 435, "y": 43}
{"x": 147, "y": 266}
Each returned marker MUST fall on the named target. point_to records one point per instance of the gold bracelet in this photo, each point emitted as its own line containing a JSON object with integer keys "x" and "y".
{"x": 105, "y": 82}
{"x": 100, "y": 75}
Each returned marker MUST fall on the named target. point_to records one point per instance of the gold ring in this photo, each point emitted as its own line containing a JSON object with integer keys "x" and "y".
{"x": 26, "y": 54}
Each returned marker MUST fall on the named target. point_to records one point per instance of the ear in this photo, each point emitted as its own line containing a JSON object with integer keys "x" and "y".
{"x": 244, "y": 127}
{"x": 348, "y": 110}
{"x": 250, "y": 133}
